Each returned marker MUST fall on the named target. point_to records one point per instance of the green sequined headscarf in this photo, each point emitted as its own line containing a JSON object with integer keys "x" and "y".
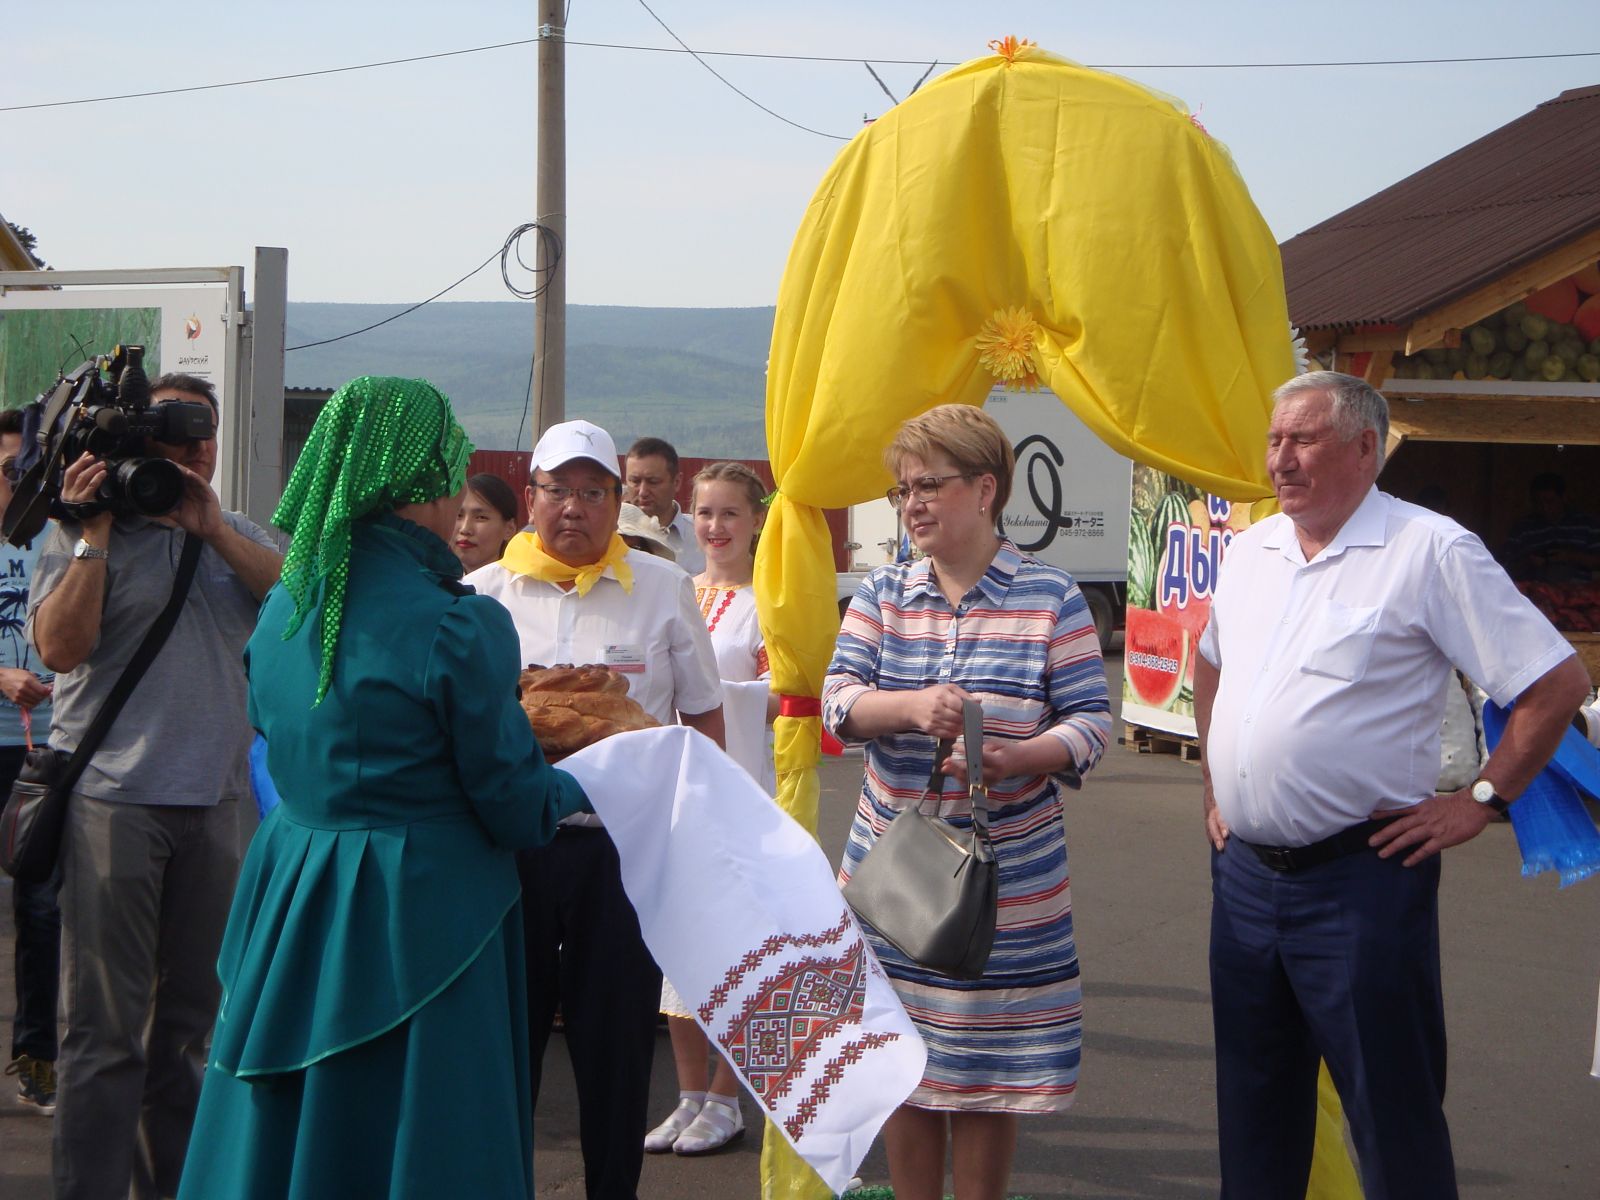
{"x": 378, "y": 443}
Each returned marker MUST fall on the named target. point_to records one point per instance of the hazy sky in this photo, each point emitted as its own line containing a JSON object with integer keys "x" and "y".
{"x": 387, "y": 184}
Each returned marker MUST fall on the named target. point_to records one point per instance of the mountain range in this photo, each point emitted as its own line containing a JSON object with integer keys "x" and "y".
{"x": 695, "y": 376}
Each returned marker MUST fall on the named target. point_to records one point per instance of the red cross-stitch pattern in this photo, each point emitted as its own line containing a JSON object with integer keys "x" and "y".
{"x": 761, "y": 953}
{"x": 780, "y": 1027}
{"x": 806, "y": 1111}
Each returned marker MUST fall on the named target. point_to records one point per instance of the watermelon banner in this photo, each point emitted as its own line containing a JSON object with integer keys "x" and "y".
{"x": 1178, "y": 537}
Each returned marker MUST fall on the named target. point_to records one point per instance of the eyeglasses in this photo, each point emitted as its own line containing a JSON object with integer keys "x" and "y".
{"x": 591, "y": 496}
{"x": 922, "y": 490}
{"x": 10, "y": 472}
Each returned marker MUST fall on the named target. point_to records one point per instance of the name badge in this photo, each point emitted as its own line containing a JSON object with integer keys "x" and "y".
{"x": 629, "y": 659}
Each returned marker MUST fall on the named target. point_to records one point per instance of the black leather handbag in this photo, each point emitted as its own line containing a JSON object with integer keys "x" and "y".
{"x": 929, "y": 888}
{"x": 36, "y": 811}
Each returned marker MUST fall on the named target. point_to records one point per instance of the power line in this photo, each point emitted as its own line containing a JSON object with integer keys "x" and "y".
{"x": 821, "y": 58}
{"x": 729, "y": 83}
{"x": 1109, "y": 66}
{"x": 207, "y": 87}
{"x": 509, "y": 249}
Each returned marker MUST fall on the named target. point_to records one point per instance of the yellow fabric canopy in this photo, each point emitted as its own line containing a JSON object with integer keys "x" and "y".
{"x": 1020, "y": 217}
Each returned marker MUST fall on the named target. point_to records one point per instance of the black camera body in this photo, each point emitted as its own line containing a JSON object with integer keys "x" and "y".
{"x": 102, "y": 408}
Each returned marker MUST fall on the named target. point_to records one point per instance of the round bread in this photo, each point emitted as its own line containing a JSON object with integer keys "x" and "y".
{"x": 558, "y": 730}
{"x": 623, "y": 711}
{"x": 591, "y": 677}
{"x": 573, "y": 707}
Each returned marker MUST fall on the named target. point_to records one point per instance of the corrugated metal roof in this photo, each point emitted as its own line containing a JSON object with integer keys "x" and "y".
{"x": 1518, "y": 193}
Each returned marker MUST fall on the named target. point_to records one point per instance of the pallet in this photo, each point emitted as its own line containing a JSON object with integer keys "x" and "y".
{"x": 1158, "y": 741}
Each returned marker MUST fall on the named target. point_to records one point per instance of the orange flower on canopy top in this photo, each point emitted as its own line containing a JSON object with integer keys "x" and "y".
{"x": 1005, "y": 348}
{"x": 1009, "y": 46}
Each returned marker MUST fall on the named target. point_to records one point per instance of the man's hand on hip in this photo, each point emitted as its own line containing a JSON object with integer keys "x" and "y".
{"x": 1435, "y": 824}
{"x": 1216, "y": 827}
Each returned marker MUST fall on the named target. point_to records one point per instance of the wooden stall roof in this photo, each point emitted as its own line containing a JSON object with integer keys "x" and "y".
{"x": 1570, "y": 420}
{"x": 14, "y": 255}
{"x": 1502, "y": 216}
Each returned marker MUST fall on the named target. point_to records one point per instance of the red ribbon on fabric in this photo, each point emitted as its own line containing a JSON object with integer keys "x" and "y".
{"x": 809, "y": 706}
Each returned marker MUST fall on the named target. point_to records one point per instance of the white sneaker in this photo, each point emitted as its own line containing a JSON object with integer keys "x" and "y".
{"x": 660, "y": 1139}
{"x": 717, "y": 1125}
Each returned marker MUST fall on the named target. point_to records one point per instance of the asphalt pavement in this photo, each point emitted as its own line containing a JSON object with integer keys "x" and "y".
{"x": 1521, "y": 964}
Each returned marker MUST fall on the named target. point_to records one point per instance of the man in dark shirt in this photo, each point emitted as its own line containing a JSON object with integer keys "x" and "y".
{"x": 1552, "y": 544}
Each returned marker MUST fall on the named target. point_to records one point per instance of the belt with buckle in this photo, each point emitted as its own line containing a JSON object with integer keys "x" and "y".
{"x": 1300, "y": 858}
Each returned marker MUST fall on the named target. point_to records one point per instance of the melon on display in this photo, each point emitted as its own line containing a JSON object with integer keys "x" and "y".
{"x": 1155, "y": 658}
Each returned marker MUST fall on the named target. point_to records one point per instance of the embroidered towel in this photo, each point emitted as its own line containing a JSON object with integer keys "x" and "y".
{"x": 776, "y": 970}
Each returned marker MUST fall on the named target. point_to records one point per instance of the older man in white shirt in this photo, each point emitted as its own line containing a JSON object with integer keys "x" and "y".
{"x": 578, "y": 595}
{"x": 1318, "y": 693}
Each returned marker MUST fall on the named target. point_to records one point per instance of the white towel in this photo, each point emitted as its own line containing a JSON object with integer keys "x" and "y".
{"x": 742, "y": 912}
{"x": 749, "y": 737}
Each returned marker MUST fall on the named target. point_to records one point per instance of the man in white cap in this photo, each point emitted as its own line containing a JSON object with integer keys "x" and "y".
{"x": 578, "y": 594}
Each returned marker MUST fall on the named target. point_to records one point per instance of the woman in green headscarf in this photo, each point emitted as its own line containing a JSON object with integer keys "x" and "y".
{"x": 372, "y": 1039}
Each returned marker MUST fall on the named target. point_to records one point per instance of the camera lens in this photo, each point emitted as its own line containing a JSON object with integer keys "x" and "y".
{"x": 150, "y": 487}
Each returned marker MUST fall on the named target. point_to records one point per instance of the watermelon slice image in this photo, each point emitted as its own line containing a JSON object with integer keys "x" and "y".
{"x": 1192, "y": 614}
{"x": 1192, "y": 618}
{"x": 1155, "y": 658}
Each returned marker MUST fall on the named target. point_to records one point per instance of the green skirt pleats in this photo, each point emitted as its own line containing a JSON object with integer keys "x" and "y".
{"x": 439, "y": 1106}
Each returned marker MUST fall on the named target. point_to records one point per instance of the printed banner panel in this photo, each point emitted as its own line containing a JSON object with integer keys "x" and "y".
{"x": 1178, "y": 537}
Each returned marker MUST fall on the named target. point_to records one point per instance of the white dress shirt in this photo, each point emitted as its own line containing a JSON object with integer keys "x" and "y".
{"x": 685, "y": 548}
{"x": 654, "y": 635}
{"x": 1333, "y": 671}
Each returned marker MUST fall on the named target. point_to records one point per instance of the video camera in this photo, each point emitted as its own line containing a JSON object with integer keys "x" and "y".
{"x": 102, "y": 408}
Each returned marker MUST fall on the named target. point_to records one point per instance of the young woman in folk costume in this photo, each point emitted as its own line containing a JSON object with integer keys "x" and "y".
{"x": 728, "y": 513}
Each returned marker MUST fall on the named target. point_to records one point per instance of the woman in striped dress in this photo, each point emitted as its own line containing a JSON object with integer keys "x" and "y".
{"x": 974, "y": 617}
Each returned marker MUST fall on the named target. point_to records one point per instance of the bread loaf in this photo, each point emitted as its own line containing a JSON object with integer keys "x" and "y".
{"x": 572, "y": 707}
{"x": 567, "y": 678}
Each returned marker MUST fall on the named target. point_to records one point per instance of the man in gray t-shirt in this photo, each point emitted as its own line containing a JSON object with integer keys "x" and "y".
{"x": 150, "y": 852}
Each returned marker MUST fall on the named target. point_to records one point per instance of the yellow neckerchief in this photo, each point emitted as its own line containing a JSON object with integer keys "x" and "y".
{"x": 526, "y": 555}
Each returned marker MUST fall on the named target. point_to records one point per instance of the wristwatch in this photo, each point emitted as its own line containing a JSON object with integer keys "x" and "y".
{"x": 84, "y": 550}
{"x": 1483, "y": 792}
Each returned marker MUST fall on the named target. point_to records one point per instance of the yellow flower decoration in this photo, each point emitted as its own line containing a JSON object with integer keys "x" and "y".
{"x": 1005, "y": 348}
{"x": 1009, "y": 47}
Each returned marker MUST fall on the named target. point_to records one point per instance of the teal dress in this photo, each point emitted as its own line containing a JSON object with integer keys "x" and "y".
{"x": 372, "y": 1038}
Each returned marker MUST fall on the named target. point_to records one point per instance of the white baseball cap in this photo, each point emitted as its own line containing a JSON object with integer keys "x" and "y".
{"x": 571, "y": 440}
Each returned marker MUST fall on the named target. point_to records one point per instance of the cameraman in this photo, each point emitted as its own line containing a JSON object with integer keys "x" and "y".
{"x": 151, "y": 847}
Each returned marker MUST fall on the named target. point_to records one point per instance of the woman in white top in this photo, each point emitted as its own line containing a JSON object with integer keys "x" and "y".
{"x": 727, "y": 509}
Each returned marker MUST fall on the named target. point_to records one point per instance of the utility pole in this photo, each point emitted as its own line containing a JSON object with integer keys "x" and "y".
{"x": 550, "y": 315}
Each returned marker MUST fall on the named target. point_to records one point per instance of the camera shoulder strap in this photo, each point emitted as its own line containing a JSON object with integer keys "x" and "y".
{"x": 137, "y": 665}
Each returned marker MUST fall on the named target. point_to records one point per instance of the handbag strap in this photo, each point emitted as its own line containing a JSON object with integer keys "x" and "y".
{"x": 972, "y": 747}
{"x": 936, "y": 777}
{"x": 137, "y": 665}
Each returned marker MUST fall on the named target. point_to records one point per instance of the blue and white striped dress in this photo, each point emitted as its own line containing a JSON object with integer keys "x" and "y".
{"x": 1023, "y": 644}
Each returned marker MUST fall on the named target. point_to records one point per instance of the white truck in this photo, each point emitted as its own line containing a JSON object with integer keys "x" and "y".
{"x": 1068, "y": 506}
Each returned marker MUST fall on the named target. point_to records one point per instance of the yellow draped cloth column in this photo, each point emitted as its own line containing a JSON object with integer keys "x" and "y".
{"x": 1028, "y": 219}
